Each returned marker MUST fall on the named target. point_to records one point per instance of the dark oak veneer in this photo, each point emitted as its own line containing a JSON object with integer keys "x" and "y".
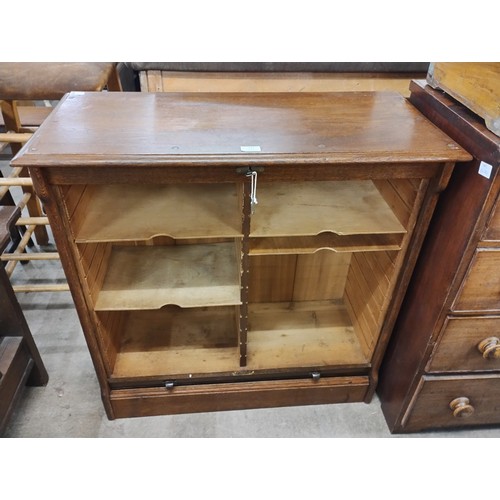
{"x": 454, "y": 296}
{"x": 307, "y": 315}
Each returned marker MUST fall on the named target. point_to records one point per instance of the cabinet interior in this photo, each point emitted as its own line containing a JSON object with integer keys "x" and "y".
{"x": 179, "y": 286}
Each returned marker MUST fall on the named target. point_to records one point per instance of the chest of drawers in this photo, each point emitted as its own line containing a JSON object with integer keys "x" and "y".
{"x": 445, "y": 349}
{"x": 237, "y": 250}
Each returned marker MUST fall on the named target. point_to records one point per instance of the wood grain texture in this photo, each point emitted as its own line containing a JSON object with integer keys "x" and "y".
{"x": 311, "y": 208}
{"x": 150, "y": 277}
{"x": 324, "y": 241}
{"x": 432, "y": 406}
{"x": 457, "y": 349}
{"x": 461, "y": 124}
{"x": 481, "y": 289}
{"x": 291, "y": 334}
{"x": 231, "y": 396}
{"x": 195, "y": 81}
{"x": 175, "y": 342}
{"x": 141, "y": 212}
{"x": 493, "y": 227}
{"x": 183, "y": 129}
{"x": 452, "y": 240}
{"x": 474, "y": 84}
{"x": 15, "y": 366}
{"x": 129, "y": 140}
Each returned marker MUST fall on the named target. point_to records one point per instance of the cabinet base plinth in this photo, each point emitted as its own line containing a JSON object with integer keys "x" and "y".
{"x": 236, "y": 396}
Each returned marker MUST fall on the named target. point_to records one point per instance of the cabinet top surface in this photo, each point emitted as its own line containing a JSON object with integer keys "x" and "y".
{"x": 134, "y": 128}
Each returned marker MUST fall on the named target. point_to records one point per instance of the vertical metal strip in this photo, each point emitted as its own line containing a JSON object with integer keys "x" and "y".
{"x": 245, "y": 270}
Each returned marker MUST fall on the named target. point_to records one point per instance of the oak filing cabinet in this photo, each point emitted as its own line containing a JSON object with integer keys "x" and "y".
{"x": 237, "y": 250}
{"x": 442, "y": 368}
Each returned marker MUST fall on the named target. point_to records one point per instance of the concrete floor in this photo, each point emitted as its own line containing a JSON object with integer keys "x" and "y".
{"x": 70, "y": 405}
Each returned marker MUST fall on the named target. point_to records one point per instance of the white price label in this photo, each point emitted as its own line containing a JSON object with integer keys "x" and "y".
{"x": 485, "y": 169}
{"x": 250, "y": 149}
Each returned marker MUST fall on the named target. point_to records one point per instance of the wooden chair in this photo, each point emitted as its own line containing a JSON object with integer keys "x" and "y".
{"x": 20, "y": 361}
{"x": 26, "y": 93}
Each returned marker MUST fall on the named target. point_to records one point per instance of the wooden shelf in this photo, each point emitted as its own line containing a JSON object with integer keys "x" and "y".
{"x": 300, "y": 334}
{"x": 311, "y": 208}
{"x": 141, "y": 212}
{"x": 325, "y": 241}
{"x": 175, "y": 341}
{"x": 149, "y": 277}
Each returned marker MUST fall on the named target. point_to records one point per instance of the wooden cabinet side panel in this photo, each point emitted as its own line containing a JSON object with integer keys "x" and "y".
{"x": 50, "y": 196}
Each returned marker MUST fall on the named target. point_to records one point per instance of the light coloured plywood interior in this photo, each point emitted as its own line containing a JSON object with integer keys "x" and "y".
{"x": 322, "y": 267}
{"x": 285, "y": 278}
{"x": 149, "y": 277}
{"x": 195, "y": 81}
{"x": 116, "y": 212}
{"x": 175, "y": 341}
{"x": 110, "y": 326}
{"x": 311, "y": 208}
{"x": 300, "y": 334}
{"x": 369, "y": 284}
{"x": 358, "y": 283}
{"x": 330, "y": 241}
{"x": 94, "y": 259}
{"x": 400, "y": 196}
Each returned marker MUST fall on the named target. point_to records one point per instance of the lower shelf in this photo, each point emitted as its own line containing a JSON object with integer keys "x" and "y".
{"x": 240, "y": 395}
{"x": 174, "y": 341}
{"x": 300, "y": 334}
{"x": 184, "y": 343}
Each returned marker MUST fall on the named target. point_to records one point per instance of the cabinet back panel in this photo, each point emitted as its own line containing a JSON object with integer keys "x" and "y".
{"x": 286, "y": 278}
{"x": 271, "y": 278}
{"x": 320, "y": 276}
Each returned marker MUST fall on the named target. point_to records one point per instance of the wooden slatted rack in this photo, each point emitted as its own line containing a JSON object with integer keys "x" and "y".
{"x": 23, "y": 87}
{"x": 29, "y": 224}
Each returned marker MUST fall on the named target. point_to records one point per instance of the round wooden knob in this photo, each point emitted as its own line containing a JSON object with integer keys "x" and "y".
{"x": 490, "y": 348}
{"x": 461, "y": 408}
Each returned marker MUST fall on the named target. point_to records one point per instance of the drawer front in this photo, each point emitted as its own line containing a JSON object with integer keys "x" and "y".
{"x": 481, "y": 288}
{"x": 468, "y": 344}
{"x": 241, "y": 395}
{"x": 459, "y": 401}
{"x": 493, "y": 229}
